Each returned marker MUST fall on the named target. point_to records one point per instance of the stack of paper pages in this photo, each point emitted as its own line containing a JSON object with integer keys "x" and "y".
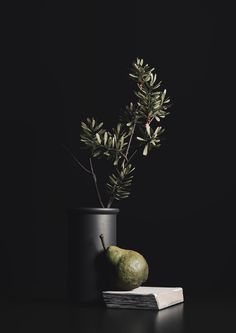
{"x": 144, "y": 298}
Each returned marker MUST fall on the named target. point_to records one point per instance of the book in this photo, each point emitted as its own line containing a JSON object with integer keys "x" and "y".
{"x": 156, "y": 298}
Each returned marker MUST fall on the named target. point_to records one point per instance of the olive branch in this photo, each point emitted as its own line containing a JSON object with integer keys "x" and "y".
{"x": 138, "y": 130}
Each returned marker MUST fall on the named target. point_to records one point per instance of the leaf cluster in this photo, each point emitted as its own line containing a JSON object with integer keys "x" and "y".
{"x": 101, "y": 142}
{"x": 120, "y": 181}
{"x": 151, "y": 138}
{"x": 138, "y": 129}
{"x": 151, "y": 106}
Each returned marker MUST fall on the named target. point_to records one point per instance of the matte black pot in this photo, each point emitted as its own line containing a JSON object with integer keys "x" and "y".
{"x": 88, "y": 272}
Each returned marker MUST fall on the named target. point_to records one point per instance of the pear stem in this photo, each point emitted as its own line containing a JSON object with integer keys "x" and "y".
{"x": 103, "y": 243}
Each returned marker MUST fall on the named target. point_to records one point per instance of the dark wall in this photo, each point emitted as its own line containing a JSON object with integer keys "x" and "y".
{"x": 181, "y": 212}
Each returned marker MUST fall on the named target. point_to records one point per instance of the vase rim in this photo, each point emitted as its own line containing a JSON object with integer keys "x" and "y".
{"x": 93, "y": 210}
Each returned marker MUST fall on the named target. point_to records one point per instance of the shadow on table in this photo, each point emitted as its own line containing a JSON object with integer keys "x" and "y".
{"x": 143, "y": 321}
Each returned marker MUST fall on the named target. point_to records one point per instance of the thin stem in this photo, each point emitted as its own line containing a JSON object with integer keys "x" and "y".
{"x": 132, "y": 155}
{"x": 122, "y": 154}
{"x": 112, "y": 197}
{"x": 103, "y": 243}
{"x": 95, "y": 182}
{"x": 76, "y": 159}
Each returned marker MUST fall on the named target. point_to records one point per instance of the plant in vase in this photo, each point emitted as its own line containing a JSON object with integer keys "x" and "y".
{"x": 138, "y": 131}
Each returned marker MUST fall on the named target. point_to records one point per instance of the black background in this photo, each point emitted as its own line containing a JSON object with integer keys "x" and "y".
{"x": 181, "y": 213}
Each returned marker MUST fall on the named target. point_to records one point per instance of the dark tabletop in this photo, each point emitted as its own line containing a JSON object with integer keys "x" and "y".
{"x": 212, "y": 313}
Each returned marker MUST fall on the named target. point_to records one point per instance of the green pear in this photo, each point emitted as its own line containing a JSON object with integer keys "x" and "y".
{"x": 131, "y": 268}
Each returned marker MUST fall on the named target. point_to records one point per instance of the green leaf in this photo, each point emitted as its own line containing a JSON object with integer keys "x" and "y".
{"x": 99, "y": 126}
{"x": 145, "y": 150}
{"x": 140, "y": 139}
{"x": 105, "y": 138}
{"x": 157, "y": 130}
{"x": 93, "y": 122}
{"x": 118, "y": 128}
{"x": 98, "y": 138}
{"x": 132, "y": 75}
{"x": 163, "y": 95}
{"x": 122, "y": 141}
{"x": 97, "y": 153}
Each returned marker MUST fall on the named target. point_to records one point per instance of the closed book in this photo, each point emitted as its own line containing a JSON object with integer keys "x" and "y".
{"x": 144, "y": 298}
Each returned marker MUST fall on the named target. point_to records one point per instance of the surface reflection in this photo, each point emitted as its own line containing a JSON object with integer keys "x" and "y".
{"x": 143, "y": 321}
{"x": 170, "y": 319}
{"x": 53, "y": 317}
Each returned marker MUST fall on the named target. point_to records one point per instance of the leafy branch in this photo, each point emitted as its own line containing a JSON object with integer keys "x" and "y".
{"x": 119, "y": 183}
{"x": 104, "y": 143}
{"x": 138, "y": 130}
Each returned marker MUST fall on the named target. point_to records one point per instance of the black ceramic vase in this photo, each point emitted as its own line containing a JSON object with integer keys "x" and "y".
{"x": 88, "y": 272}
